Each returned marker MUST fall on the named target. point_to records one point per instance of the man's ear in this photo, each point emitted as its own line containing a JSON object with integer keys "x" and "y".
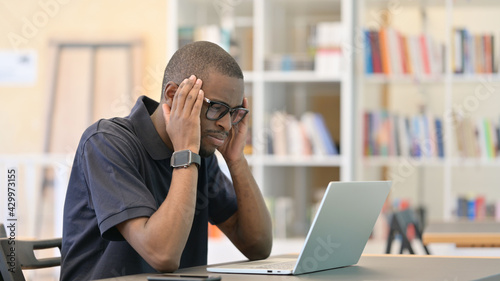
{"x": 169, "y": 92}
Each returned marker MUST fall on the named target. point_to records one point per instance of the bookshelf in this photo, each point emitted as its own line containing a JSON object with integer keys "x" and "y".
{"x": 462, "y": 92}
{"x": 276, "y": 43}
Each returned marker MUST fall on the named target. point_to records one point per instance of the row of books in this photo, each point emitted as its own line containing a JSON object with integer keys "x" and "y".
{"x": 307, "y": 135}
{"x": 473, "y": 53}
{"x": 477, "y": 208}
{"x": 389, "y": 134}
{"x": 389, "y": 52}
{"x": 479, "y": 138}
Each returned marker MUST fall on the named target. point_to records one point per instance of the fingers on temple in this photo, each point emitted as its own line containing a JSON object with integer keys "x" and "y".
{"x": 192, "y": 98}
{"x": 183, "y": 92}
{"x": 176, "y": 101}
{"x": 198, "y": 103}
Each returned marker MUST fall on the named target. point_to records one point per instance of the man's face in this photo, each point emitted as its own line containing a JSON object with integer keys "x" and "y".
{"x": 220, "y": 88}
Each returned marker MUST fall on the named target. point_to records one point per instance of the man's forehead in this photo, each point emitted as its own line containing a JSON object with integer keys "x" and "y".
{"x": 224, "y": 83}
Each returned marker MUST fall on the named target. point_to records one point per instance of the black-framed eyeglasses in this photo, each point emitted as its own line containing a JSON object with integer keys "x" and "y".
{"x": 216, "y": 110}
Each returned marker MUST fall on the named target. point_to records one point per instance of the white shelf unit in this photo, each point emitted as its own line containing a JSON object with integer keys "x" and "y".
{"x": 264, "y": 29}
{"x": 433, "y": 182}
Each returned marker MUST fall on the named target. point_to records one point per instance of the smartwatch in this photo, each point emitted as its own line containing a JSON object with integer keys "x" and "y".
{"x": 184, "y": 158}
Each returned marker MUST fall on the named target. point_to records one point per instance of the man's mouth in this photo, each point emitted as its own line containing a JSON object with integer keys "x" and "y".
{"x": 218, "y": 139}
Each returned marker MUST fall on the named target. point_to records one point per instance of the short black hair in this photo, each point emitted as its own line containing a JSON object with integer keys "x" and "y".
{"x": 199, "y": 58}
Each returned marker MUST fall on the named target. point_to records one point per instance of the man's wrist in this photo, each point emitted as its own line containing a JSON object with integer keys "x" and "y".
{"x": 185, "y": 158}
{"x": 238, "y": 162}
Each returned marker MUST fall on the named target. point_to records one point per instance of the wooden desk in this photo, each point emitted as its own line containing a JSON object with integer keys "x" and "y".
{"x": 377, "y": 267}
{"x": 463, "y": 233}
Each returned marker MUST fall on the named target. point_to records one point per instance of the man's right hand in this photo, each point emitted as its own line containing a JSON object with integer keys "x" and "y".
{"x": 182, "y": 119}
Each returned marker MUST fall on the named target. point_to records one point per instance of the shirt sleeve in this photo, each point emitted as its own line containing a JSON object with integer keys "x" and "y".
{"x": 221, "y": 194}
{"x": 117, "y": 189}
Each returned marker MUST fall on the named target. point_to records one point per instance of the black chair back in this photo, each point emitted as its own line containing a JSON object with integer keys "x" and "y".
{"x": 399, "y": 223}
{"x": 21, "y": 255}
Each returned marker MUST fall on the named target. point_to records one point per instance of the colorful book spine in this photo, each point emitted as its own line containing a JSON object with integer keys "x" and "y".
{"x": 439, "y": 137}
{"x": 368, "y": 53}
{"x": 384, "y": 51}
{"x": 375, "y": 48}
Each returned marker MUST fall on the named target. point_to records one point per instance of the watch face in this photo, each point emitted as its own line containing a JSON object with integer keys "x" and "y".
{"x": 181, "y": 158}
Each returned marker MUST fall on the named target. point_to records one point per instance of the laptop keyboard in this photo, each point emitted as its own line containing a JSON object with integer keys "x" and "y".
{"x": 278, "y": 265}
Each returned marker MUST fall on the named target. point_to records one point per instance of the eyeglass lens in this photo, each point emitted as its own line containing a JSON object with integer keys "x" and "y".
{"x": 216, "y": 111}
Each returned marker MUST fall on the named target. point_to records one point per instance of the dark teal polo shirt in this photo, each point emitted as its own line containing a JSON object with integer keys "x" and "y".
{"x": 122, "y": 171}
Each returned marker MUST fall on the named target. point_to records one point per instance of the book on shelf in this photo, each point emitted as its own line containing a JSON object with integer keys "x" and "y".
{"x": 327, "y": 45}
{"x": 390, "y": 134}
{"x": 376, "y": 59}
{"x": 307, "y": 135}
{"x": 477, "y": 207}
{"x": 279, "y": 133}
{"x": 438, "y": 124}
{"x": 473, "y": 53}
{"x": 368, "y": 53}
{"x": 478, "y": 138}
{"x": 388, "y": 51}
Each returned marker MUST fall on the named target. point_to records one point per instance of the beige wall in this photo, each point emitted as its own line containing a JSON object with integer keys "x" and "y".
{"x": 28, "y": 24}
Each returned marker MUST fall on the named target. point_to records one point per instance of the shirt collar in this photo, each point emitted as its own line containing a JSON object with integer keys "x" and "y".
{"x": 146, "y": 131}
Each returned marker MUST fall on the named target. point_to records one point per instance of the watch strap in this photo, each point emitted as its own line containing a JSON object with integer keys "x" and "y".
{"x": 195, "y": 159}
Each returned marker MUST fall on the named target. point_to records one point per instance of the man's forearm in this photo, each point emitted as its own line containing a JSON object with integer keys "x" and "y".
{"x": 253, "y": 229}
{"x": 161, "y": 238}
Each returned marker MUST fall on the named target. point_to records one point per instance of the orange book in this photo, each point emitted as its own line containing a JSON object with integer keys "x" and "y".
{"x": 408, "y": 69}
{"x": 384, "y": 51}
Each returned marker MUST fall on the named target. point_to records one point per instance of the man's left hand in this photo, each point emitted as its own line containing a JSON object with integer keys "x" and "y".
{"x": 232, "y": 149}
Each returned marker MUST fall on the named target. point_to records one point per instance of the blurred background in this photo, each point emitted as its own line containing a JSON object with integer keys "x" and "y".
{"x": 339, "y": 90}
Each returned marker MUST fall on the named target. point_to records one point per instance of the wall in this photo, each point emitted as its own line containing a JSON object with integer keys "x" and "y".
{"x": 30, "y": 25}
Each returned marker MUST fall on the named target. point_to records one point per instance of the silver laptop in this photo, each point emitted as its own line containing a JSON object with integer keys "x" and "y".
{"x": 338, "y": 234}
